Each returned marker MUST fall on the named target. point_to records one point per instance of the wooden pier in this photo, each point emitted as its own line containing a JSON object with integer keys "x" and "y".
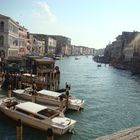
{"x": 42, "y": 71}
{"x": 132, "y": 133}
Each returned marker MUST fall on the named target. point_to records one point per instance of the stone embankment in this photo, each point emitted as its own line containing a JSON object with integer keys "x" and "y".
{"x": 132, "y": 133}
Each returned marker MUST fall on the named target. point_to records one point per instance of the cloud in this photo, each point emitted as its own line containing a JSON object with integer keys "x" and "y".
{"x": 46, "y": 10}
{"x": 36, "y": 14}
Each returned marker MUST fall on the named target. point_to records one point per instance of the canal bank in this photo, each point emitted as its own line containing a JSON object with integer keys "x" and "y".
{"x": 132, "y": 133}
{"x": 112, "y": 101}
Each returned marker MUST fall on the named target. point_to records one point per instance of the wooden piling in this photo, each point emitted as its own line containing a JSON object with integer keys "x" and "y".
{"x": 34, "y": 87}
{"x": 2, "y": 77}
{"x": 67, "y": 87}
{"x": 67, "y": 96}
{"x": 19, "y": 130}
{"x": 61, "y": 104}
{"x": 49, "y": 134}
{"x": 33, "y": 97}
{"x": 19, "y": 83}
{"x": 67, "y": 99}
{"x": 10, "y": 91}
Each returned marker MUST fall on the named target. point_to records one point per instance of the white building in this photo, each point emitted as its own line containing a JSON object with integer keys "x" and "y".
{"x": 50, "y": 45}
{"x": 13, "y": 38}
{"x": 9, "y": 34}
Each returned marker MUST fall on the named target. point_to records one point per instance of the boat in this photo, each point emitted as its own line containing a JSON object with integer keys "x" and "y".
{"x": 36, "y": 116}
{"x": 77, "y": 58}
{"x": 43, "y": 96}
{"x": 58, "y": 57}
{"x": 50, "y": 97}
{"x": 99, "y": 65}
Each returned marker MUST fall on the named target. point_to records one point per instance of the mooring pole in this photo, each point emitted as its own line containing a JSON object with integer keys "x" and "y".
{"x": 19, "y": 130}
{"x": 34, "y": 92}
{"x": 67, "y": 96}
{"x": 19, "y": 83}
{"x": 49, "y": 134}
{"x": 61, "y": 103}
{"x": 10, "y": 91}
{"x": 67, "y": 99}
{"x": 33, "y": 97}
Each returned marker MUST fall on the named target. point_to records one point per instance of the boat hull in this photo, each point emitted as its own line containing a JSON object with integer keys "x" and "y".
{"x": 35, "y": 123}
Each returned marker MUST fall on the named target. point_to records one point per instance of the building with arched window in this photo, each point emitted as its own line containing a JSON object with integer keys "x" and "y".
{"x": 9, "y": 35}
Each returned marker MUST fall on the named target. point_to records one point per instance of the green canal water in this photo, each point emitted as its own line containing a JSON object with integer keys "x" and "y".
{"x": 112, "y": 101}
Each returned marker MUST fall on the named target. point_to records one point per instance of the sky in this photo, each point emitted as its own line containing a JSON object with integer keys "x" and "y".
{"x": 90, "y": 23}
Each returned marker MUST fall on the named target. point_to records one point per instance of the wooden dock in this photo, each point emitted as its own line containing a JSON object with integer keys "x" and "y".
{"x": 132, "y": 133}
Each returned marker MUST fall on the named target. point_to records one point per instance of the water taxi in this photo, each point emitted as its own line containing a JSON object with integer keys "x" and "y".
{"x": 50, "y": 97}
{"x": 37, "y": 116}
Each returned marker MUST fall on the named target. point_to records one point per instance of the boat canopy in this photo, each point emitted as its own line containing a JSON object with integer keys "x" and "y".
{"x": 49, "y": 93}
{"x": 30, "y": 107}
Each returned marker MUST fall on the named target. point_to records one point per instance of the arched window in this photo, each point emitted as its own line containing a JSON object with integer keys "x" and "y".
{"x": 1, "y": 26}
{"x": 1, "y": 41}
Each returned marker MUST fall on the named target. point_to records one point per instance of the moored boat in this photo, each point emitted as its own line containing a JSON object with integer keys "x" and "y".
{"x": 43, "y": 96}
{"x": 99, "y": 65}
{"x": 37, "y": 116}
{"x": 51, "y": 97}
{"x": 77, "y": 58}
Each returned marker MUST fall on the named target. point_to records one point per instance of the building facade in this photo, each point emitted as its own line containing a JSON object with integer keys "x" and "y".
{"x": 9, "y": 34}
{"x": 50, "y": 46}
{"x": 23, "y": 41}
{"x": 14, "y": 38}
{"x": 63, "y": 46}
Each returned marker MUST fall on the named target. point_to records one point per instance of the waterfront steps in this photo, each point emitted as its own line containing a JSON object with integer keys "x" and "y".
{"x": 132, "y": 133}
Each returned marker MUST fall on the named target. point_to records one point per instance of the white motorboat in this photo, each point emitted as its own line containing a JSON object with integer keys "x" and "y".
{"x": 43, "y": 96}
{"x": 75, "y": 104}
{"x": 51, "y": 97}
{"x": 77, "y": 58}
{"x": 37, "y": 116}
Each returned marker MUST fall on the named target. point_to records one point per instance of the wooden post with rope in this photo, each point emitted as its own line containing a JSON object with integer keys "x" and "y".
{"x": 19, "y": 130}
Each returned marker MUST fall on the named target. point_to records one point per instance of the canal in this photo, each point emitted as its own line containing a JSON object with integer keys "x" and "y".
{"x": 112, "y": 101}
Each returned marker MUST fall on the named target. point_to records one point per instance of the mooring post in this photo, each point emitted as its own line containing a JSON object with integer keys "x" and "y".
{"x": 19, "y": 83}
{"x": 19, "y": 130}
{"x": 67, "y": 87}
{"x": 61, "y": 103}
{"x": 67, "y": 99}
{"x": 67, "y": 96}
{"x": 2, "y": 77}
{"x": 49, "y": 134}
{"x": 34, "y": 87}
{"x": 33, "y": 97}
{"x": 10, "y": 91}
